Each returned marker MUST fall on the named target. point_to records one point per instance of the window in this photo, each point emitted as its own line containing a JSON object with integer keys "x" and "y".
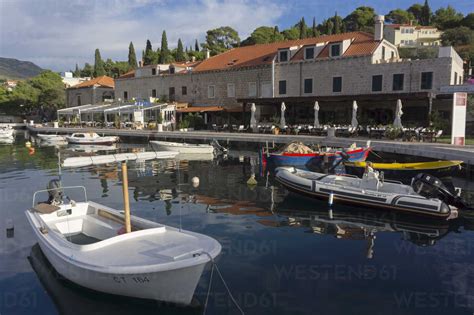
{"x": 335, "y": 50}
{"x": 252, "y": 89}
{"x": 282, "y": 87}
{"x": 125, "y": 95}
{"x": 455, "y": 78}
{"x": 308, "y": 86}
{"x": 426, "y": 80}
{"x": 184, "y": 90}
{"x": 383, "y": 52}
{"x": 153, "y": 93}
{"x": 211, "y": 91}
{"x": 377, "y": 83}
{"x": 309, "y": 53}
{"x": 398, "y": 82}
{"x": 79, "y": 100}
{"x": 283, "y": 55}
{"x": 172, "y": 94}
{"x": 230, "y": 90}
{"x": 172, "y": 70}
{"x": 153, "y": 71}
{"x": 337, "y": 84}
{"x": 393, "y": 55}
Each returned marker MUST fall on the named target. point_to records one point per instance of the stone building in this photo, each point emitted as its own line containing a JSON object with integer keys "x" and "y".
{"x": 92, "y": 91}
{"x": 333, "y": 70}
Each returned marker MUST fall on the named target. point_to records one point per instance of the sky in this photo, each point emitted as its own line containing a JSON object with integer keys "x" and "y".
{"x": 57, "y": 34}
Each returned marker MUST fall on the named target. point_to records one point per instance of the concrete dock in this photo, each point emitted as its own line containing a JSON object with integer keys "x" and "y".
{"x": 422, "y": 149}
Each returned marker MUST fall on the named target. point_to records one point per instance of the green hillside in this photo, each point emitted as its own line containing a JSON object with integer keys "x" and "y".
{"x": 17, "y": 69}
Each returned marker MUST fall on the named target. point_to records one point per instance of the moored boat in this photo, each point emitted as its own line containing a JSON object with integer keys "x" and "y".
{"x": 187, "y": 148}
{"x": 370, "y": 191}
{"x": 51, "y": 138}
{"x": 90, "y": 138}
{"x": 6, "y": 132}
{"x": 406, "y": 170}
{"x": 85, "y": 243}
{"x": 309, "y": 157}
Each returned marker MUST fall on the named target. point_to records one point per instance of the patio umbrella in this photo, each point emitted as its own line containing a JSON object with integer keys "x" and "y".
{"x": 397, "y": 123}
{"x": 282, "y": 119}
{"x": 316, "y": 114}
{"x": 354, "y": 122}
{"x": 253, "y": 120}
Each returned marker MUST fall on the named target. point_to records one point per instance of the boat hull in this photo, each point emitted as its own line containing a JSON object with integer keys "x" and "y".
{"x": 290, "y": 159}
{"x": 175, "y": 286}
{"x": 184, "y": 148}
{"x": 89, "y": 142}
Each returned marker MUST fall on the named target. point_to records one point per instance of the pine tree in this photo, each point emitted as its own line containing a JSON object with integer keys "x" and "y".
{"x": 426, "y": 14}
{"x": 196, "y": 45}
{"x": 302, "y": 28}
{"x": 165, "y": 56}
{"x": 180, "y": 56}
{"x": 337, "y": 24}
{"x": 98, "y": 64}
{"x": 132, "y": 57}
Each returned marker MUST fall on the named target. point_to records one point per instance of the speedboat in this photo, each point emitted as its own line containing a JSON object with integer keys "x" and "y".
{"x": 406, "y": 170}
{"x": 85, "y": 243}
{"x": 182, "y": 147}
{"x": 51, "y": 138}
{"x": 297, "y": 154}
{"x": 373, "y": 191}
{"x": 90, "y": 138}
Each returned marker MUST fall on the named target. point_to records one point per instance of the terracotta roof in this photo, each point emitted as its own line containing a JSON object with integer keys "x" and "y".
{"x": 186, "y": 64}
{"x": 397, "y": 26}
{"x": 103, "y": 81}
{"x": 129, "y": 74}
{"x": 264, "y": 53}
{"x": 200, "y": 109}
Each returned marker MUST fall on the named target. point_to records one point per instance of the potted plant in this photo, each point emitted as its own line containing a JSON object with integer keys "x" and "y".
{"x": 183, "y": 125}
{"x": 159, "y": 121}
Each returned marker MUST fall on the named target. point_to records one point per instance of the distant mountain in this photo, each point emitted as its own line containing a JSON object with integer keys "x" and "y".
{"x": 17, "y": 69}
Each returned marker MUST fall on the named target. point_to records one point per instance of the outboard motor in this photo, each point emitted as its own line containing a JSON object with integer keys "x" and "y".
{"x": 431, "y": 187}
{"x": 55, "y": 194}
{"x": 218, "y": 148}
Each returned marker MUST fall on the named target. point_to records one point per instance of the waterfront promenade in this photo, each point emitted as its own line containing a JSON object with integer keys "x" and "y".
{"x": 422, "y": 149}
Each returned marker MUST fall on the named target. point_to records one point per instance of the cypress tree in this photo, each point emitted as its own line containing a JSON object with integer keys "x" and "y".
{"x": 148, "y": 56}
{"x": 426, "y": 14}
{"x": 337, "y": 24}
{"x": 98, "y": 64}
{"x": 196, "y": 45}
{"x": 132, "y": 57}
{"x": 180, "y": 56}
{"x": 302, "y": 28}
{"x": 77, "y": 72}
{"x": 314, "y": 28}
{"x": 165, "y": 56}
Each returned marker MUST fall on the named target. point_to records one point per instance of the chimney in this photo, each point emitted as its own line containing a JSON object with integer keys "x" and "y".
{"x": 208, "y": 53}
{"x": 193, "y": 59}
{"x": 378, "y": 35}
{"x": 140, "y": 64}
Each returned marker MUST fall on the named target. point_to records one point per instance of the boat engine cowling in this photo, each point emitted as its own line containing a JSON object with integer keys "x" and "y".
{"x": 429, "y": 186}
{"x": 55, "y": 194}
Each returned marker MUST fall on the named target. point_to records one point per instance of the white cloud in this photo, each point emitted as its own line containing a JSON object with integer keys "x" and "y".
{"x": 56, "y": 33}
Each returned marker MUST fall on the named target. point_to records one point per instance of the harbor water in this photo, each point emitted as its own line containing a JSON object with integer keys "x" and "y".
{"x": 282, "y": 254}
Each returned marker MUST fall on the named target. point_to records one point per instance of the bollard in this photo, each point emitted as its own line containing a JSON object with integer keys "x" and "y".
{"x": 330, "y": 199}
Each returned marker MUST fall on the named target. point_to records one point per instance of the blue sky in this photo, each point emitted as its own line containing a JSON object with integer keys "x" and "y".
{"x": 56, "y": 34}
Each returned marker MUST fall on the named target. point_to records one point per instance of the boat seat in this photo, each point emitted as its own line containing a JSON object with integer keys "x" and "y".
{"x": 45, "y": 208}
{"x": 370, "y": 181}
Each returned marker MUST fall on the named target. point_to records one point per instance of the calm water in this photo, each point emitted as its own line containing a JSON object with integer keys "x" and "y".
{"x": 281, "y": 254}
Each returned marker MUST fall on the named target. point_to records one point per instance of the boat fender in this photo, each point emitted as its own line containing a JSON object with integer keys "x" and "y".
{"x": 195, "y": 181}
{"x": 331, "y": 199}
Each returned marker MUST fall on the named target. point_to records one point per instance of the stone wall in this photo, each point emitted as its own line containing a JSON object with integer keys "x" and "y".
{"x": 88, "y": 95}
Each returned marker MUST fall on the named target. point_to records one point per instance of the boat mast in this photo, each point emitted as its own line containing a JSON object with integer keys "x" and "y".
{"x": 126, "y": 201}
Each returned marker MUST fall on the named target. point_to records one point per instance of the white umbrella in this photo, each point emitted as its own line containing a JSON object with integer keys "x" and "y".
{"x": 282, "y": 119}
{"x": 253, "y": 120}
{"x": 397, "y": 122}
{"x": 316, "y": 114}
{"x": 354, "y": 122}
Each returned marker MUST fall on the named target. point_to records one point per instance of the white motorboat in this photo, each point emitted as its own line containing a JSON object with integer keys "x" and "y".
{"x": 90, "y": 138}
{"x": 6, "y": 132}
{"x": 51, "y": 138}
{"x": 182, "y": 147}
{"x": 370, "y": 191}
{"x": 84, "y": 243}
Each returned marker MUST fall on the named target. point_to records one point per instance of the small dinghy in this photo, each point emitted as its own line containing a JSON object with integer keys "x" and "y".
{"x": 182, "y": 147}
{"x": 371, "y": 191}
{"x": 6, "y": 132}
{"x": 51, "y": 138}
{"x": 91, "y": 138}
{"x": 406, "y": 170}
{"x": 86, "y": 243}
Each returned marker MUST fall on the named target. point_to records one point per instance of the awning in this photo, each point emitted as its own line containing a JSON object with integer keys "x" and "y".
{"x": 200, "y": 109}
